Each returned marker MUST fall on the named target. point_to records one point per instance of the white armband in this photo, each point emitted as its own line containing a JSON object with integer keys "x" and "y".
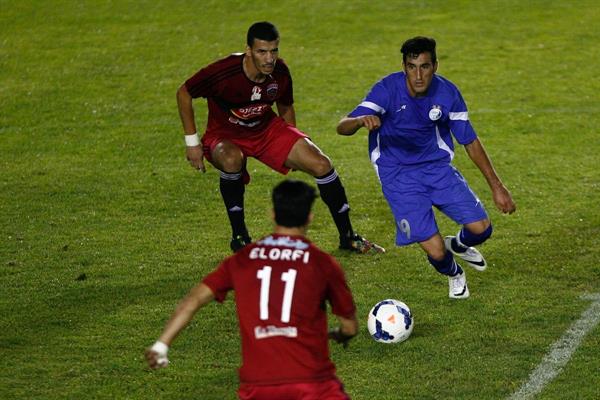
{"x": 192, "y": 140}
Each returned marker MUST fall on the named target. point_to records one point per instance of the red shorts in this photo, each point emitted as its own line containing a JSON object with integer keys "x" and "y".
{"x": 271, "y": 146}
{"x": 332, "y": 389}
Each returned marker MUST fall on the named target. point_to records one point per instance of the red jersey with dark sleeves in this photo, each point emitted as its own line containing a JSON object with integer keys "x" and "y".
{"x": 282, "y": 285}
{"x": 235, "y": 102}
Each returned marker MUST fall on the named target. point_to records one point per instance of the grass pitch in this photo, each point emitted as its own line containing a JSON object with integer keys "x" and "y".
{"x": 104, "y": 227}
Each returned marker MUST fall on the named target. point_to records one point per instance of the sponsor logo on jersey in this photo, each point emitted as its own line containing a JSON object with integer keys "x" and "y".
{"x": 234, "y": 120}
{"x": 435, "y": 113}
{"x": 252, "y": 111}
{"x": 264, "y": 332}
{"x": 256, "y": 95}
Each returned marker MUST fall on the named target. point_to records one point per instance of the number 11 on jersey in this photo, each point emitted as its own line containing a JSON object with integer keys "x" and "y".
{"x": 289, "y": 277}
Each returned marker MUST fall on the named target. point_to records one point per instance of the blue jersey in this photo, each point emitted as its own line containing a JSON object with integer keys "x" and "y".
{"x": 415, "y": 130}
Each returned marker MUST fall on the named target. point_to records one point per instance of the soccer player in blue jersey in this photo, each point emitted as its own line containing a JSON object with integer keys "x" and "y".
{"x": 411, "y": 117}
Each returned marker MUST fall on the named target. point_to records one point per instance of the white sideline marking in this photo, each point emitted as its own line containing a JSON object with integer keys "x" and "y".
{"x": 561, "y": 351}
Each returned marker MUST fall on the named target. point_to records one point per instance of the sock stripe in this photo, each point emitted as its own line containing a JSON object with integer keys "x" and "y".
{"x": 344, "y": 208}
{"x": 332, "y": 176}
{"x": 457, "y": 238}
{"x": 454, "y": 270}
{"x": 230, "y": 176}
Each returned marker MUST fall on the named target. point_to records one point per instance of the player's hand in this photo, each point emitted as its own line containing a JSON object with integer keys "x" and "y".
{"x": 156, "y": 356}
{"x": 338, "y": 336}
{"x": 370, "y": 122}
{"x": 195, "y": 156}
{"x": 504, "y": 200}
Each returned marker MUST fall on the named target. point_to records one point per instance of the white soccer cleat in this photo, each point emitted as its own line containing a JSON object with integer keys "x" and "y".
{"x": 471, "y": 255}
{"x": 457, "y": 286}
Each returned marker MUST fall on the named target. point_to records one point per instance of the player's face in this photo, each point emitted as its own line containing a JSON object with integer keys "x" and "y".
{"x": 419, "y": 73}
{"x": 264, "y": 55}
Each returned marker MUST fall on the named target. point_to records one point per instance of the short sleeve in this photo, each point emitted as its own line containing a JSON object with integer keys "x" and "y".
{"x": 375, "y": 103}
{"x": 460, "y": 126}
{"x": 219, "y": 281}
{"x": 287, "y": 94}
{"x": 201, "y": 83}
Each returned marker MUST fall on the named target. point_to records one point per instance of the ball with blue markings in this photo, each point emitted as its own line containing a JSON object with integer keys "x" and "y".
{"x": 390, "y": 321}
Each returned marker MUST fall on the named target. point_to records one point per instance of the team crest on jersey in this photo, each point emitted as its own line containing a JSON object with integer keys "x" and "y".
{"x": 256, "y": 95}
{"x": 272, "y": 90}
{"x": 435, "y": 113}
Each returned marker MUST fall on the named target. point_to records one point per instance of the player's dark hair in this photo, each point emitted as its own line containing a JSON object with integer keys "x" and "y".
{"x": 262, "y": 31}
{"x": 292, "y": 202}
{"x": 417, "y": 45}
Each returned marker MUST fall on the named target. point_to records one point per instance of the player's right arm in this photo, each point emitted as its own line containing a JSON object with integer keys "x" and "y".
{"x": 199, "y": 296}
{"x": 367, "y": 113}
{"x": 349, "y": 125}
{"x": 186, "y": 113}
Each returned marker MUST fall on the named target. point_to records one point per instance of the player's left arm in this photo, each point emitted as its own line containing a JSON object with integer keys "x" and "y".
{"x": 501, "y": 195}
{"x": 198, "y": 297}
{"x": 287, "y": 112}
{"x": 342, "y": 304}
{"x": 347, "y": 329}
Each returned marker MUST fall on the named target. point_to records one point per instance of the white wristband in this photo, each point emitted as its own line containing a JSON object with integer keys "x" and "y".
{"x": 161, "y": 349}
{"x": 192, "y": 140}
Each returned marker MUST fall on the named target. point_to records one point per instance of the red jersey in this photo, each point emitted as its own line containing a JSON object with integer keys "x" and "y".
{"x": 234, "y": 101}
{"x": 281, "y": 286}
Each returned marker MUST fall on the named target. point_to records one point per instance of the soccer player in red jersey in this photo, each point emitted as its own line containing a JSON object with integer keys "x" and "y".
{"x": 240, "y": 91}
{"x": 281, "y": 284}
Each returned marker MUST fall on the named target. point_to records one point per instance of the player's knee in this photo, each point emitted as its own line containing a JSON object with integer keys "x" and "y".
{"x": 228, "y": 159}
{"x": 485, "y": 235}
{"x": 231, "y": 164}
{"x": 436, "y": 254}
{"x": 320, "y": 166}
{"x": 469, "y": 238}
{"x": 479, "y": 227}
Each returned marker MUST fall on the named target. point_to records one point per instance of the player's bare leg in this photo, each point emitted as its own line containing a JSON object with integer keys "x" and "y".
{"x": 306, "y": 156}
{"x": 434, "y": 247}
{"x": 229, "y": 159}
{"x": 478, "y": 227}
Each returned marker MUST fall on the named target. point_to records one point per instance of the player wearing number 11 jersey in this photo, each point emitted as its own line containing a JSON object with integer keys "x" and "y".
{"x": 281, "y": 284}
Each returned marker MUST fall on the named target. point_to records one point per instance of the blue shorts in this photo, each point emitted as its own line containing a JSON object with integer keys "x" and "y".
{"x": 412, "y": 191}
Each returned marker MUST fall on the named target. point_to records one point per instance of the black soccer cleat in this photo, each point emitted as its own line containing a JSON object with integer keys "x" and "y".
{"x": 239, "y": 242}
{"x": 359, "y": 244}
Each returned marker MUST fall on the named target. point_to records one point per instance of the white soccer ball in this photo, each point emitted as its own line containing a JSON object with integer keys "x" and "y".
{"x": 390, "y": 321}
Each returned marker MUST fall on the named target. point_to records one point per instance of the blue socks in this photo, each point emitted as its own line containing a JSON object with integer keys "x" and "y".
{"x": 465, "y": 238}
{"x": 446, "y": 266}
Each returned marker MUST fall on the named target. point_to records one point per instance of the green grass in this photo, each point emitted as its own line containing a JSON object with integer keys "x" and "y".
{"x": 94, "y": 184}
